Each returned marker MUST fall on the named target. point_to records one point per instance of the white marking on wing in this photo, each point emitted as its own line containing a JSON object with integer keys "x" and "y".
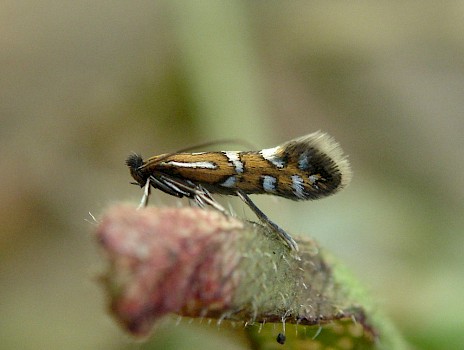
{"x": 269, "y": 183}
{"x": 298, "y": 186}
{"x": 303, "y": 161}
{"x": 270, "y": 154}
{"x": 202, "y": 165}
{"x": 313, "y": 179}
{"x": 234, "y": 158}
{"x": 230, "y": 182}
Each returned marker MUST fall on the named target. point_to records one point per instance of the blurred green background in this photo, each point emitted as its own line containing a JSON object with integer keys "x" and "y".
{"x": 83, "y": 84}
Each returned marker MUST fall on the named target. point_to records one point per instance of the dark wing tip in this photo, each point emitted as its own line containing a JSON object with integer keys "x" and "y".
{"x": 134, "y": 161}
{"x": 329, "y": 156}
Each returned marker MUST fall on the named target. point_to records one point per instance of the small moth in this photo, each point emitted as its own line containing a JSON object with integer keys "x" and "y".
{"x": 309, "y": 167}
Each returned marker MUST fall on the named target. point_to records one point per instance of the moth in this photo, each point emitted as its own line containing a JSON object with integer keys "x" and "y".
{"x": 308, "y": 167}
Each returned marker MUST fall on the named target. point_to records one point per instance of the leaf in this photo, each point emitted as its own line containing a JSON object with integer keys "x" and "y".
{"x": 199, "y": 263}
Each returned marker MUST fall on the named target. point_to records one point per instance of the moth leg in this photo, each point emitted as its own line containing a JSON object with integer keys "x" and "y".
{"x": 164, "y": 186}
{"x": 167, "y": 185}
{"x": 282, "y": 234}
{"x": 205, "y": 197}
{"x": 198, "y": 202}
{"x": 199, "y": 194}
{"x": 146, "y": 194}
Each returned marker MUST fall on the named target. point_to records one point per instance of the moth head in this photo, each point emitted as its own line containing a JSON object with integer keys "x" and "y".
{"x": 135, "y": 164}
